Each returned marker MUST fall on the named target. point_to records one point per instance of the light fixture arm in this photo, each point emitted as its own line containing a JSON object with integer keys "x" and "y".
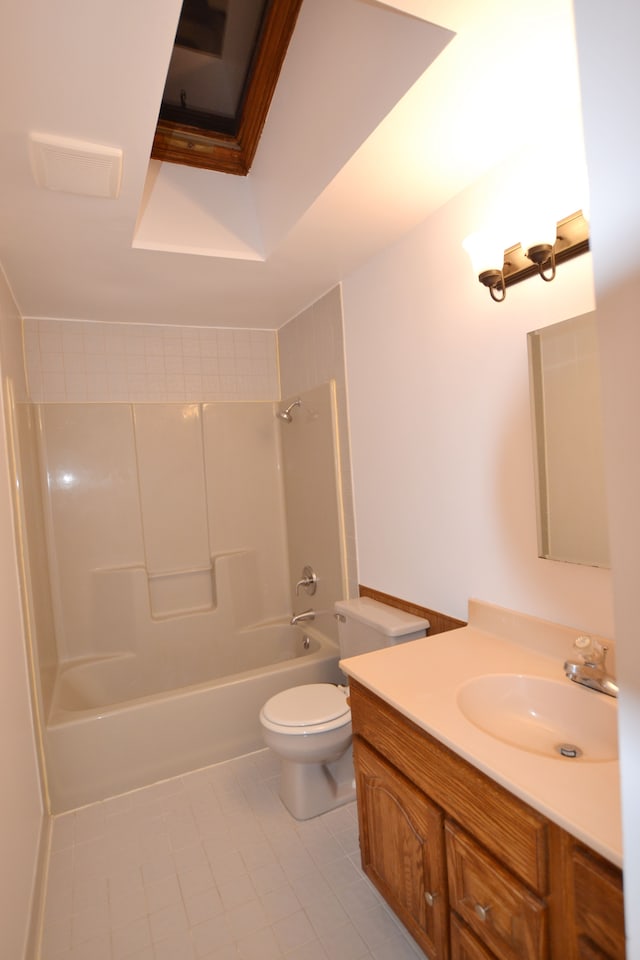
{"x": 544, "y": 257}
{"x": 494, "y": 280}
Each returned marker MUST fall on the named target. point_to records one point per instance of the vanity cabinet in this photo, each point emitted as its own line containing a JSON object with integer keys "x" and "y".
{"x": 472, "y": 871}
{"x": 406, "y": 858}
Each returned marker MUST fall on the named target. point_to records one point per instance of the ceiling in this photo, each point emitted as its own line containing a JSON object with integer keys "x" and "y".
{"x": 384, "y": 111}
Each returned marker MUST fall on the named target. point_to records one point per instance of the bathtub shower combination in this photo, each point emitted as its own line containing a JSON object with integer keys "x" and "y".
{"x": 115, "y": 724}
{"x": 160, "y": 621}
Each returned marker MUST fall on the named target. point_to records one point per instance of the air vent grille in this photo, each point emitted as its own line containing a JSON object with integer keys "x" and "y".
{"x": 74, "y": 166}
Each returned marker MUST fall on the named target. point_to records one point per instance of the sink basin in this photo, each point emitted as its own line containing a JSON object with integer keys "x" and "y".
{"x": 551, "y": 717}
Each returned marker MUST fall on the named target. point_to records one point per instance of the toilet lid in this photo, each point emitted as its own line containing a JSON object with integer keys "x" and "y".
{"x": 307, "y": 705}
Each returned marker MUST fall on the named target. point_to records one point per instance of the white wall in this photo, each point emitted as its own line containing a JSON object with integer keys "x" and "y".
{"x": 440, "y": 425}
{"x": 610, "y": 75}
{"x": 21, "y": 813}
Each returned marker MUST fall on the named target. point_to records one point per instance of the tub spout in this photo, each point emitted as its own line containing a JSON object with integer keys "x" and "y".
{"x": 299, "y": 617}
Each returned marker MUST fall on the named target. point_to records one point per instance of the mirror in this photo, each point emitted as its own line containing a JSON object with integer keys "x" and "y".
{"x": 564, "y": 374}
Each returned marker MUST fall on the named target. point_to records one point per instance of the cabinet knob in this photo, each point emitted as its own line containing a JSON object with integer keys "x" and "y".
{"x": 481, "y": 912}
{"x": 430, "y": 898}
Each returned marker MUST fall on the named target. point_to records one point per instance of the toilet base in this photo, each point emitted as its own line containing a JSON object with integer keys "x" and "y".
{"x": 310, "y": 789}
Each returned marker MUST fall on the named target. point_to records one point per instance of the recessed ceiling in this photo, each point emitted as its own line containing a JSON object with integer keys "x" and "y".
{"x": 379, "y": 118}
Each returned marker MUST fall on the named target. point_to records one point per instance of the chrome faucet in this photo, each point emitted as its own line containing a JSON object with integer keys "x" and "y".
{"x": 299, "y": 617}
{"x": 590, "y": 670}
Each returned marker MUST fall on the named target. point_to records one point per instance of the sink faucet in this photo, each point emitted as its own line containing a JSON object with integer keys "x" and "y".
{"x": 590, "y": 670}
{"x": 299, "y": 617}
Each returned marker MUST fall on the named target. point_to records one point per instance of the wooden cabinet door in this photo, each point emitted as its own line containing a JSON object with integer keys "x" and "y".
{"x": 402, "y": 848}
{"x": 599, "y": 906}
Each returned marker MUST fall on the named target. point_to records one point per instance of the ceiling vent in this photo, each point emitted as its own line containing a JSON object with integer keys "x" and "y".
{"x": 74, "y": 166}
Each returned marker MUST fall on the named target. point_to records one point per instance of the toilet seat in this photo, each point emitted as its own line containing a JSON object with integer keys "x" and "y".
{"x": 310, "y": 708}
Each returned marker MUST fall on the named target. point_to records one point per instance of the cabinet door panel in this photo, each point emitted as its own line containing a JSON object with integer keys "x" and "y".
{"x": 502, "y": 913}
{"x": 464, "y": 945}
{"x": 599, "y": 905}
{"x": 402, "y": 847}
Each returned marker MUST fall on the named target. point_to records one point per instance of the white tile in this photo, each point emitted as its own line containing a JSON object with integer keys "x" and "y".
{"x": 397, "y": 948}
{"x": 63, "y": 831}
{"x": 325, "y": 913}
{"x": 375, "y": 926}
{"x": 195, "y": 880}
{"x": 163, "y": 893}
{"x": 99, "y": 948}
{"x": 228, "y": 952}
{"x": 168, "y": 922}
{"x": 339, "y": 872}
{"x": 261, "y": 945}
{"x": 247, "y": 918}
{"x": 129, "y": 939}
{"x": 280, "y": 903}
{"x": 190, "y": 856}
{"x": 310, "y": 886}
{"x": 358, "y": 898}
{"x": 125, "y": 882}
{"x": 258, "y": 854}
{"x": 236, "y": 891}
{"x": 294, "y": 931}
{"x": 204, "y": 906}
{"x": 345, "y": 942}
{"x": 178, "y": 947}
{"x": 89, "y": 923}
{"x": 268, "y": 878}
{"x": 157, "y": 868}
{"x": 89, "y": 892}
{"x": 211, "y": 936}
{"x": 310, "y": 951}
{"x": 325, "y": 850}
{"x": 147, "y": 953}
{"x": 56, "y": 937}
{"x": 225, "y": 865}
{"x": 127, "y": 906}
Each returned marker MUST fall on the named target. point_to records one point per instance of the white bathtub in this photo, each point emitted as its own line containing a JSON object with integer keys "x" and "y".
{"x": 120, "y": 723}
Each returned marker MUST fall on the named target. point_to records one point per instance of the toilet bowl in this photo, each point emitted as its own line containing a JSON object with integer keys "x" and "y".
{"x": 309, "y": 727}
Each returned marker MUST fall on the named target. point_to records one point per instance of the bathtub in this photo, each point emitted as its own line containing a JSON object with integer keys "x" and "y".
{"x": 119, "y": 723}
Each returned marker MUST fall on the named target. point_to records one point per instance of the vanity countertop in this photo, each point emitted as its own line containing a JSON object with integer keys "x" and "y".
{"x": 421, "y": 679}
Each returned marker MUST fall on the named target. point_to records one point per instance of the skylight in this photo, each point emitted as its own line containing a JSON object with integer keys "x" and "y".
{"x": 226, "y": 60}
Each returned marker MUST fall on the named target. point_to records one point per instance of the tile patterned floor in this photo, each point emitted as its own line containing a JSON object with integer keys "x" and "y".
{"x": 210, "y": 866}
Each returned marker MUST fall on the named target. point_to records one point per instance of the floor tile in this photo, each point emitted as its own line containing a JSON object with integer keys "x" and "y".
{"x": 211, "y": 866}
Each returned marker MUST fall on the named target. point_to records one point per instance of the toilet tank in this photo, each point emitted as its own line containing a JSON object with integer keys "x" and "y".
{"x": 365, "y": 625}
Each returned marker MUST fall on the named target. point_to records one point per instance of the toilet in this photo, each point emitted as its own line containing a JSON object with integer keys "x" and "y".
{"x": 309, "y": 727}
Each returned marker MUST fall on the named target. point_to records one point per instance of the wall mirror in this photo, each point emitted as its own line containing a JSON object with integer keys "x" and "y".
{"x": 564, "y": 375}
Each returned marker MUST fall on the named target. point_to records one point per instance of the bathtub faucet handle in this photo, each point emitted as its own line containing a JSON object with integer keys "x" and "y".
{"x": 309, "y": 581}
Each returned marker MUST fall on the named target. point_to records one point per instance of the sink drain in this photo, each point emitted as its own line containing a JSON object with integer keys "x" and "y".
{"x": 568, "y": 750}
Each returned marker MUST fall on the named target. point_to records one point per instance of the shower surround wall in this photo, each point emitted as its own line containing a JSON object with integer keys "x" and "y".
{"x": 154, "y": 514}
{"x": 311, "y": 350}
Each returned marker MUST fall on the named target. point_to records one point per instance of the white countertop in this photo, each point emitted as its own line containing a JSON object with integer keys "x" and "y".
{"x": 421, "y": 679}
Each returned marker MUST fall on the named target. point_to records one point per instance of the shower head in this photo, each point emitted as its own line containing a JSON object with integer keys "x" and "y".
{"x": 286, "y": 414}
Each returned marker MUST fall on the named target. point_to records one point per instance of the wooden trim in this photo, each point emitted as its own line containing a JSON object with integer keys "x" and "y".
{"x": 440, "y": 622}
{"x": 193, "y": 147}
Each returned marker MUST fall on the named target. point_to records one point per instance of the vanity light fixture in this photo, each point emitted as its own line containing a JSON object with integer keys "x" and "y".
{"x": 538, "y": 257}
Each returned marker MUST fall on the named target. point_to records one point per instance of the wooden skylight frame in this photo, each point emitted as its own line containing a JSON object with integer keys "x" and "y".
{"x": 234, "y": 153}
